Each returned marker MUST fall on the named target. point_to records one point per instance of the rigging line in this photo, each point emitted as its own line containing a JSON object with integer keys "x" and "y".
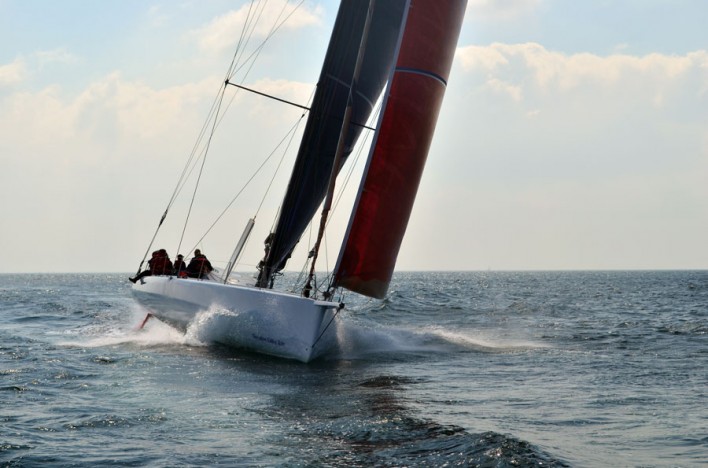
{"x": 142, "y": 262}
{"x": 195, "y": 147}
{"x": 179, "y": 185}
{"x": 354, "y": 163}
{"x": 271, "y": 33}
{"x": 277, "y": 169}
{"x": 248, "y": 182}
{"x": 214, "y": 111}
{"x": 355, "y": 160}
{"x": 336, "y": 312}
{"x": 340, "y": 195}
{"x": 277, "y": 214}
{"x": 252, "y": 19}
{"x": 191, "y": 161}
{"x": 185, "y": 172}
{"x": 345, "y": 184}
{"x": 326, "y": 238}
{"x": 201, "y": 170}
{"x": 217, "y": 124}
{"x": 305, "y": 266}
{"x": 251, "y": 58}
{"x": 298, "y": 283}
{"x": 211, "y": 114}
{"x": 338, "y": 157}
{"x": 240, "y": 40}
{"x": 240, "y": 47}
{"x": 181, "y": 180}
{"x": 268, "y": 95}
{"x": 249, "y": 27}
{"x": 292, "y": 133}
{"x": 258, "y": 49}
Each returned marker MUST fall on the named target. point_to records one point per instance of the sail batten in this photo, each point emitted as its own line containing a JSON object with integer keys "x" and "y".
{"x": 398, "y": 155}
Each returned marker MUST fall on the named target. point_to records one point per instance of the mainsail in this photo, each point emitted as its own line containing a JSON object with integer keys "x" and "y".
{"x": 313, "y": 166}
{"x": 400, "y": 148}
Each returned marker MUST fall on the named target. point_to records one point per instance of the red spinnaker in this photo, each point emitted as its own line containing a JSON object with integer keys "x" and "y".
{"x": 401, "y": 146}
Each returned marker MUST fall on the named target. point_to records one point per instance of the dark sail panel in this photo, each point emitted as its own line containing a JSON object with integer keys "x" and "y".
{"x": 313, "y": 166}
{"x": 395, "y": 167}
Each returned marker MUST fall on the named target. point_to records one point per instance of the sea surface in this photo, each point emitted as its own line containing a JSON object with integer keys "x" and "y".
{"x": 493, "y": 369}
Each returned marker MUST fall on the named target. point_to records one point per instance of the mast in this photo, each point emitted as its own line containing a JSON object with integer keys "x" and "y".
{"x": 340, "y": 149}
{"x": 315, "y": 164}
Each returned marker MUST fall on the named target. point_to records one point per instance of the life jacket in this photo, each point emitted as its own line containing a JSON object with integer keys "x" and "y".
{"x": 180, "y": 266}
{"x": 161, "y": 265}
{"x": 199, "y": 267}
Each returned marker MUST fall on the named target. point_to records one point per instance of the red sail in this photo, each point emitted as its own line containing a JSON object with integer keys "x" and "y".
{"x": 401, "y": 146}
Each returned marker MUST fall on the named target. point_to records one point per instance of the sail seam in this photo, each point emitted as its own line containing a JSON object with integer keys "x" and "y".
{"x": 358, "y": 93}
{"x": 418, "y": 71}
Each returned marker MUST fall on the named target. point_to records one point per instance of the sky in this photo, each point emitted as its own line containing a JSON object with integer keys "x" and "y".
{"x": 573, "y": 135}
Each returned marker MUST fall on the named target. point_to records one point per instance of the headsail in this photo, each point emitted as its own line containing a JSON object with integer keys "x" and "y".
{"x": 400, "y": 148}
{"x": 310, "y": 176}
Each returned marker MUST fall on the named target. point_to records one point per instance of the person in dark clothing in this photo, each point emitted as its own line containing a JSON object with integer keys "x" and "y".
{"x": 180, "y": 266}
{"x": 159, "y": 264}
{"x": 199, "y": 266}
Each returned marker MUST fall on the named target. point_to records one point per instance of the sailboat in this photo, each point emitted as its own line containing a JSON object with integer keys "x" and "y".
{"x": 398, "y": 51}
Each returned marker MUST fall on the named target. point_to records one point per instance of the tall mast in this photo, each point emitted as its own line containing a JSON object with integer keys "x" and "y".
{"x": 340, "y": 149}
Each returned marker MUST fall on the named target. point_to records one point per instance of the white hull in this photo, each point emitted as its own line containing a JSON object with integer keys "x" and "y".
{"x": 260, "y": 320}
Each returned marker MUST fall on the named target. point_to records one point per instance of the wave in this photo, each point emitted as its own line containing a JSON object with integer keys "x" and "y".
{"x": 127, "y": 332}
{"x": 357, "y": 340}
{"x": 353, "y": 338}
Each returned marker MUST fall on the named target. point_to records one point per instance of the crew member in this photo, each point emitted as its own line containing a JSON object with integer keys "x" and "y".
{"x": 199, "y": 266}
{"x": 180, "y": 267}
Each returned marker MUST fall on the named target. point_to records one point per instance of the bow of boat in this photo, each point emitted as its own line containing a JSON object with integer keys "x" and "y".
{"x": 261, "y": 320}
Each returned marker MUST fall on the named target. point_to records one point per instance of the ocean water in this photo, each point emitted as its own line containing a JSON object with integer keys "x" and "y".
{"x": 489, "y": 369}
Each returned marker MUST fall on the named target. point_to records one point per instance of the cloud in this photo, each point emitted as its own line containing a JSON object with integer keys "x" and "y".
{"x": 107, "y": 111}
{"x": 501, "y": 9}
{"x": 60, "y": 55}
{"x": 550, "y": 69}
{"x": 575, "y": 160}
{"x": 22, "y": 68}
{"x": 514, "y": 92}
{"x": 223, "y": 32}
{"x": 156, "y": 16}
{"x": 591, "y": 114}
{"x": 13, "y": 73}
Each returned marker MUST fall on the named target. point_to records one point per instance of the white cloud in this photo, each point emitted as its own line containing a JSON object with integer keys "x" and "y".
{"x": 223, "y": 32}
{"x": 514, "y": 92}
{"x": 551, "y": 69}
{"x": 23, "y": 67}
{"x": 501, "y": 9}
{"x": 108, "y": 112}
{"x": 573, "y": 160}
{"x": 60, "y": 55}
{"x": 13, "y": 73}
{"x": 609, "y": 99}
{"x": 486, "y": 58}
{"x": 156, "y": 16}
{"x": 89, "y": 158}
